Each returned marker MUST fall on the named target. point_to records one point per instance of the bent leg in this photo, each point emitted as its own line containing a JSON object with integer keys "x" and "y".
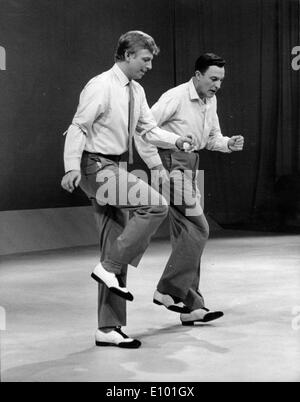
{"x": 111, "y": 308}
{"x": 111, "y": 185}
{"x": 122, "y": 242}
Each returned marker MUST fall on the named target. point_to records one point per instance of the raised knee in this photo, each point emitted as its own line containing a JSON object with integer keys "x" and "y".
{"x": 162, "y": 209}
{"x": 161, "y": 206}
{"x": 165, "y": 209}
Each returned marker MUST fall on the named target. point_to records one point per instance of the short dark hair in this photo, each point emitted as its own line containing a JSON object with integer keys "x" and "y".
{"x": 208, "y": 59}
{"x": 132, "y": 41}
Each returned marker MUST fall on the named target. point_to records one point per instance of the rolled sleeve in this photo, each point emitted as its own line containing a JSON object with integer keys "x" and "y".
{"x": 216, "y": 140}
{"x": 74, "y": 146}
{"x": 91, "y": 104}
{"x": 147, "y": 152}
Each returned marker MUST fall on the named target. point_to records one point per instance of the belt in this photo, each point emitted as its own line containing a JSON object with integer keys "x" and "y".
{"x": 114, "y": 158}
{"x": 171, "y": 151}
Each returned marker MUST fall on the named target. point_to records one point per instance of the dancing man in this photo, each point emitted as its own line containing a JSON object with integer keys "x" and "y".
{"x": 112, "y": 110}
{"x": 189, "y": 108}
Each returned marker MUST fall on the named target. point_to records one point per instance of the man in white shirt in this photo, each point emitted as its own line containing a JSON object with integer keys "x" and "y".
{"x": 190, "y": 108}
{"x": 113, "y": 109}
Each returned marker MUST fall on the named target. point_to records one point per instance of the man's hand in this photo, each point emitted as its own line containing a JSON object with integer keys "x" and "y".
{"x": 236, "y": 143}
{"x": 186, "y": 143}
{"x": 71, "y": 180}
{"x": 159, "y": 175}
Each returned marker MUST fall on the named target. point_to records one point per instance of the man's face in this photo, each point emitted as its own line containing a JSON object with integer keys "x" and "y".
{"x": 139, "y": 63}
{"x": 208, "y": 84}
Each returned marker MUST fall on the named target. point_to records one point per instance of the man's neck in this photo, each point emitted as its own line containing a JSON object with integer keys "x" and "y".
{"x": 201, "y": 96}
{"x": 122, "y": 66}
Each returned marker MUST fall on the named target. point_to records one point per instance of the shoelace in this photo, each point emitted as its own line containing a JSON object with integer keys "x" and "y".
{"x": 118, "y": 330}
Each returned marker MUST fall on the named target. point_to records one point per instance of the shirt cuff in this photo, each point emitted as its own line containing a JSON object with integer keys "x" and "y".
{"x": 174, "y": 139}
{"x": 153, "y": 162}
{"x": 72, "y": 164}
{"x": 161, "y": 138}
{"x": 226, "y": 148}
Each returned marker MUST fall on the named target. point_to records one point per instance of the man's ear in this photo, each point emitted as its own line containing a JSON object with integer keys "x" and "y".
{"x": 128, "y": 56}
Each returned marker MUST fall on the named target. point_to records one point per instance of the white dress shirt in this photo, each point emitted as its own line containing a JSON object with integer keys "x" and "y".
{"x": 100, "y": 124}
{"x": 181, "y": 111}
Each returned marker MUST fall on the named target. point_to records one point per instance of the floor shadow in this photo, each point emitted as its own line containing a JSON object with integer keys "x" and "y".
{"x": 158, "y": 355}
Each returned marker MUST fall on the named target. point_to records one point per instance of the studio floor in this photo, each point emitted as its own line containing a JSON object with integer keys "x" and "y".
{"x": 50, "y": 304}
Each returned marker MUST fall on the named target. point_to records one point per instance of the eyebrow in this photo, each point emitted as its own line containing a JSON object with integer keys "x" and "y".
{"x": 221, "y": 79}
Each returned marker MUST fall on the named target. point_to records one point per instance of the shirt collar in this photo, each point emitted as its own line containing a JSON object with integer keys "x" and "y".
{"x": 194, "y": 95}
{"x": 120, "y": 75}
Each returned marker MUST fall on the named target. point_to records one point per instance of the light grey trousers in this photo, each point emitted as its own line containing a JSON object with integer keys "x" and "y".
{"x": 114, "y": 193}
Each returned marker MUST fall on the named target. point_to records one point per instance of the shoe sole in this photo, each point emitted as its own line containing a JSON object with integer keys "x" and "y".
{"x": 123, "y": 345}
{"x": 208, "y": 318}
{"x": 127, "y": 296}
{"x": 175, "y": 309}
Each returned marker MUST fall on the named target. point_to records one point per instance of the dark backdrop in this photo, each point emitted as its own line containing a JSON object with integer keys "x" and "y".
{"x": 54, "y": 47}
{"x": 259, "y": 98}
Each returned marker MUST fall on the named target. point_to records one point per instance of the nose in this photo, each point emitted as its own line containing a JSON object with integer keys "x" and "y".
{"x": 218, "y": 84}
{"x": 149, "y": 65}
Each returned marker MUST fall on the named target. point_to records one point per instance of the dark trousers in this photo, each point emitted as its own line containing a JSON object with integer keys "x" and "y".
{"x": 122, "y": 240}
{"x": 188, "y": 227}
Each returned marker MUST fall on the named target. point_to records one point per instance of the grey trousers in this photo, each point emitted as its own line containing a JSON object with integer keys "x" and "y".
{"x": 189, "y": 232}
{"x": 122, "y": 240}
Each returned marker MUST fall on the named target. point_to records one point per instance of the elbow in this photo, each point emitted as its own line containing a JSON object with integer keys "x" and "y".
{"x": 79, "y": 126}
